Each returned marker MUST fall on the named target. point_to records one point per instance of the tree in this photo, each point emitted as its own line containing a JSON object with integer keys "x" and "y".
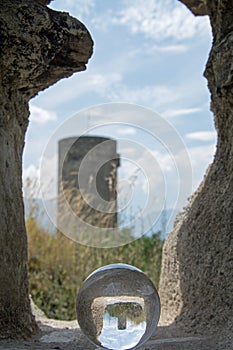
{"x": 38, "y": 47}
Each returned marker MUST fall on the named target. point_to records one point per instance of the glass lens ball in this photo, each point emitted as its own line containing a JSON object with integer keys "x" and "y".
{"x": 118, "y": 307}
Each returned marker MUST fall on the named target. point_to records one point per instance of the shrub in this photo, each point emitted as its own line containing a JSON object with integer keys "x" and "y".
{"x": 58, "y": 266}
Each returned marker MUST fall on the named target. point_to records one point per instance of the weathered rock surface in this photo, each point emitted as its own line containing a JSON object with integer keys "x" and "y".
{"x": 44, "y": 2}
{"x": 197, "y": 268}
{"x": 38, "y": 47}
{"x": 198, "y": 7}
{"x": 65, "y": 335}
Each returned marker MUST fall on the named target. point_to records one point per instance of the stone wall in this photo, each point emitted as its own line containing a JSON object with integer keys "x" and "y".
{"x": 197, "y": 265}
{"x": 39, "y": 46}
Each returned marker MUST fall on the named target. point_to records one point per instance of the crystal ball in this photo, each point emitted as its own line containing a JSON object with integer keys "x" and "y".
{"x": 118, "y": 307}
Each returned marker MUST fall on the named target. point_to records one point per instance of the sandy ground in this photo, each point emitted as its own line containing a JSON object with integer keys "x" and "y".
{"x": 62, "y": 335}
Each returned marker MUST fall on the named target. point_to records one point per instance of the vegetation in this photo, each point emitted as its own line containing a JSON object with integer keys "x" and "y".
{"x": 58, "y": 266}
{"x": 132, "y": 311}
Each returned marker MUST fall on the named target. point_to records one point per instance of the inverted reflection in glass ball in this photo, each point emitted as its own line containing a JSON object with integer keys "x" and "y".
{"x": 118, "y": 307}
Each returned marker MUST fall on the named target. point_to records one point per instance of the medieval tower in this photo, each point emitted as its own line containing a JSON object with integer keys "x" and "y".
{"x": 87, "y": 178}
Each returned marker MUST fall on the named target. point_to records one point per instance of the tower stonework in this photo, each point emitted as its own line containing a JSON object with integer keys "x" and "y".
{"x": 87, "y": 178}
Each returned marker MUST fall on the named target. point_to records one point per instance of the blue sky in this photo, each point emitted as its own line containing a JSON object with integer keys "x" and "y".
{"x": 149, "y": 53}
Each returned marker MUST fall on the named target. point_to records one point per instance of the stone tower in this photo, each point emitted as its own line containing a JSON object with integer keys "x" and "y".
{"x": 87, "y": 176}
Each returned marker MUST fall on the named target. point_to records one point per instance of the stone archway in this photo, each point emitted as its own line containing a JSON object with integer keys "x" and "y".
{"x": 197, "y": 268}
{"x": 39, "y": 46}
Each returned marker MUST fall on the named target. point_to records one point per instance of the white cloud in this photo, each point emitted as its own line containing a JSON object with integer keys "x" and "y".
{"x": 31, "y": 172}
{"x": 31, "y": 181}
{"x": 160, "y": 19}
{"x": 126, "y": 131}
{"x": 41, "y": 116}
{"x": 155, "y": 95}
{"x": 111, "y": 87}
{"x": 79, "y": 9}
{"x": 81, "y": 85}
{"x": 148, "y": 177}
{"x": 48, "y": 175}
{"x": 102, "y": 82}
{"x": 201, "y": 155}
{"x": 178, "y": 112}
{"x": 151, "y": 50}
{"x": 162, "y": 180}
{"x": 41, "y": 181}
{"x": 200, "y": 158}
{"x": 204, "y": 136}
{"x": 165, "y": 161}
{"x": 174, "y": 49}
